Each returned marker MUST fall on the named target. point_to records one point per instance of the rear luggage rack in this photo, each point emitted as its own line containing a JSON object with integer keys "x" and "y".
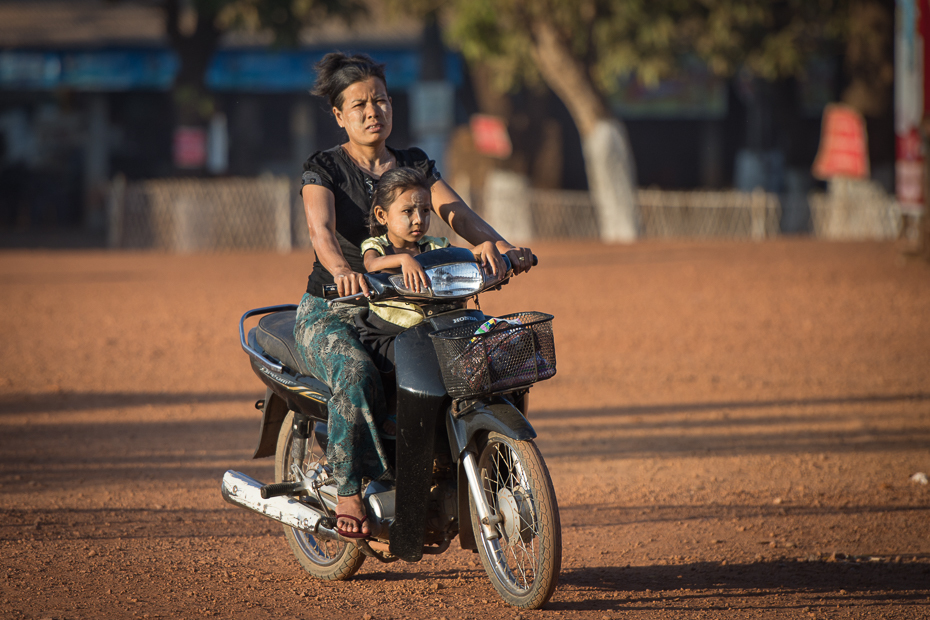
{"x": 257, "y": 355}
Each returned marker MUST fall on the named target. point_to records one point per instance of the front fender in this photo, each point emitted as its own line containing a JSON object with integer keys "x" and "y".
{"x": 500, "y": 416}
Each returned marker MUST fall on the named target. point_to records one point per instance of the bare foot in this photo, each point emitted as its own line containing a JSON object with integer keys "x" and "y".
{"x": 351, "y": 505}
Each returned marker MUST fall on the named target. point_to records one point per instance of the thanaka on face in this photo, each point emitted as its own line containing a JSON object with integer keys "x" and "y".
{"x": 366, "y": 112}
{"x": 406, "y": 218}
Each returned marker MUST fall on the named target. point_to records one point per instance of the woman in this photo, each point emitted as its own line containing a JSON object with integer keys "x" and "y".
{"x": 337, "y": 190}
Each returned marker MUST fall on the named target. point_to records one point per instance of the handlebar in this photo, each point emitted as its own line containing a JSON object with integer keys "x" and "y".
{"x": 375, "y": 286}
{"x": 331, "y": 289}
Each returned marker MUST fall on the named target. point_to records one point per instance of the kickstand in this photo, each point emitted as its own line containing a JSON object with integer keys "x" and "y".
{"x": 381, "y": 557}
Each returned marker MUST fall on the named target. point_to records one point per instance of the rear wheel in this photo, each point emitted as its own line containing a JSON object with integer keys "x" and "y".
{"x": 524, "y": 561}
{"x": 331, "y": 560}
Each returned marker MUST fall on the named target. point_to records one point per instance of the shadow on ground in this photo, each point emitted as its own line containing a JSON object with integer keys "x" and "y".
{"x": 684, "y": 586}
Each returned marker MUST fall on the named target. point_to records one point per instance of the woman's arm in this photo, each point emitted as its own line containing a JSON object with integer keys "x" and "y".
{"x": 467, "y": 224}
{"x": 320, "y": 209}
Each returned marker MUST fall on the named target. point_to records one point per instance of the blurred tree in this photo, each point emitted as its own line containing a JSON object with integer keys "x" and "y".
{"x": 869, "y": 57}
{"x": 194, "y": 28}
{"x": 582, "y": 48}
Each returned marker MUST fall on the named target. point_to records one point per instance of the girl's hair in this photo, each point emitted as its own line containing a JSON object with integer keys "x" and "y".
{"x": 392, "y": 184}
{"x": 337, "y": 71}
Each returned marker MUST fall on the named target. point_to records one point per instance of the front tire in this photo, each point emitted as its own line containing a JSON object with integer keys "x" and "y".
{"x": 524, "y": 562}
{"x": 330, "y": 560}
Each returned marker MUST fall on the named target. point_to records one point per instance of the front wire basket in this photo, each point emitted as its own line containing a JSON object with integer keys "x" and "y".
{"x": 504, "y": 358}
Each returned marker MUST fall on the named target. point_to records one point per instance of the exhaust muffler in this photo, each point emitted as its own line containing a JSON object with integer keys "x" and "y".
{"x": 245, "y": 492}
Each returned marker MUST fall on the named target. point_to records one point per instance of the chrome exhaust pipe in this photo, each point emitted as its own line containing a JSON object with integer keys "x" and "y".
{"x": 245, "y": 492}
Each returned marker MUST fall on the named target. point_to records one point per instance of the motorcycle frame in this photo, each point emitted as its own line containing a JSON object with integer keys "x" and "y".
{"x": 422, "y": 401}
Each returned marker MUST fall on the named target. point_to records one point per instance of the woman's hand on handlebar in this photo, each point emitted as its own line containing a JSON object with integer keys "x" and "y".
{"x": 350, "y": 283}
{"x": 521, "y": 259}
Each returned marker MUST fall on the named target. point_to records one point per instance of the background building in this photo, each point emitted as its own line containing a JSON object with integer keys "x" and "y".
{"x": 85, "y": 95}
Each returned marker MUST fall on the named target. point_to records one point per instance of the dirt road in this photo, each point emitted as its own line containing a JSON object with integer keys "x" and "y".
{"x": 731, "y": 433}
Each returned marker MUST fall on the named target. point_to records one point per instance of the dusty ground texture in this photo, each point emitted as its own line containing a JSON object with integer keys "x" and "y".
{"x": 731, "y": 434}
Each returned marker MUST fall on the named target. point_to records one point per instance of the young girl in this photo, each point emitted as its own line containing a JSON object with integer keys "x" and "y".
{"x": 398, "y": 223}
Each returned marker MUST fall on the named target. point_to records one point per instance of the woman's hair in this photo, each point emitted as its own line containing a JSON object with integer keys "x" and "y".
{"x": 392, "y": 184}
{"x": 337, "y": 71}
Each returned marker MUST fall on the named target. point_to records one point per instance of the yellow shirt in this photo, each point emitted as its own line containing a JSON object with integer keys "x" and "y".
{"x": 399, "y": 312}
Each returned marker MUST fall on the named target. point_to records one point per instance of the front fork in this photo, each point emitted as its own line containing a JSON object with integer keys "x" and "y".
{"x": 488, "y": 521}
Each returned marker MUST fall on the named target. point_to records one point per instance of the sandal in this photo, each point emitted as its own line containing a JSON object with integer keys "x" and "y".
{"x": 359, "y": 533}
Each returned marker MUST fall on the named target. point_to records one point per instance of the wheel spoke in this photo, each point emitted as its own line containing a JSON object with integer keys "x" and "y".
{"x": 520, "y": 567}
{"x": 523, "y": 562}
{"x": 320, "y": 550}
{"x": 516, "y": 560}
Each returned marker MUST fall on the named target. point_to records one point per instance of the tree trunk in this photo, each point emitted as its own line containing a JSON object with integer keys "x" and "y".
{"x": 609, "y": 164}
{"x": 195, "y": 38}
{"x": 608, "y": 157}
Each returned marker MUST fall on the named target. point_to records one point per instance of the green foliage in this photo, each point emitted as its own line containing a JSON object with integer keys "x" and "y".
{"x": 283, "y": 18}
{"x": 645, "y": 38}
{"x": 195, "y": 101}
{"x": 486, "y": 33}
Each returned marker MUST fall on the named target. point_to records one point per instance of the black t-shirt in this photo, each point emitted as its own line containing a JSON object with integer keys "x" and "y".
{"x": 353, "y": 190}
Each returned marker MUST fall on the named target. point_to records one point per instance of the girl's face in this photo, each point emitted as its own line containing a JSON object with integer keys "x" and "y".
{"x": 407, "y": 218}
{"x": 366, "y": 112}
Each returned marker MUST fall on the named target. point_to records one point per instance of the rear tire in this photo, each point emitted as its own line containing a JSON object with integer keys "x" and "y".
{"x": 524, "y": 562}
{"x": 330, "y": 560}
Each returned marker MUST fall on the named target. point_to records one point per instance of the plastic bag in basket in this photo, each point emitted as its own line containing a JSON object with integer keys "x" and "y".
{"x": 492, "y": 324}
{"x": 500, "y": 356}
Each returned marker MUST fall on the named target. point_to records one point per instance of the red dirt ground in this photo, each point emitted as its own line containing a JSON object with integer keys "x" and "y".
{"x": 731, "y": 434}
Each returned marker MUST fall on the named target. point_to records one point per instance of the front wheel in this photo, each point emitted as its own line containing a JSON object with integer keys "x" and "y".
{"x": 326, "y": 559}
{"x": 524, "y": 561}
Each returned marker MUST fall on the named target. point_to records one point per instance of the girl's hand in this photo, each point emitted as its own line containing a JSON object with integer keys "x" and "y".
{"x": 487, "y": 255}
{"x": 414, "y": 276}
{"x": 349, "y": 282}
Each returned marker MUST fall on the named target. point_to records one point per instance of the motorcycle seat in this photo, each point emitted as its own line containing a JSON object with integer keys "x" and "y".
{"x": 275, "y": 334}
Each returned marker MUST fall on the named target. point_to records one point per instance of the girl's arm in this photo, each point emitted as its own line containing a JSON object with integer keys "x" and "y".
{"x": 379, "y": 262}
{"x": 414, "y": 276}
{"x": 467, "y": 224}
{"x": 320, "y": 209}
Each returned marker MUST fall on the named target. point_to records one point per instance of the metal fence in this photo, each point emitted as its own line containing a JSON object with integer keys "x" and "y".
{"x": 662, "y": 214}
{"x": 855, "y": 209}
{"x": 705, "y": 214}
{"x": 198, "y": 215}
{"x": 559, "y": 214}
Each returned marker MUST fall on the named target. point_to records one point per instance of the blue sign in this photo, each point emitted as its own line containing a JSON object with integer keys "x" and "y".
{"x": 245, "y": 70}
{"x": 264, "y": 70}
{"x": 91, "y": 70}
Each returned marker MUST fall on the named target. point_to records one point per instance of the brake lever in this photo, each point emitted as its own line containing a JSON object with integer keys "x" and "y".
{"x": 330, "y": 302}
{"x": 331, "y": 289}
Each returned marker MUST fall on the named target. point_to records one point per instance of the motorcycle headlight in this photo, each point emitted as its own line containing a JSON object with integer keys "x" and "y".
{"x": 452, "y": 280}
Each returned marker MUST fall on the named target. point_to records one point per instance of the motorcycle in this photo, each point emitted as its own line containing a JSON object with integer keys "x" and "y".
{"x": 466, "y": 464}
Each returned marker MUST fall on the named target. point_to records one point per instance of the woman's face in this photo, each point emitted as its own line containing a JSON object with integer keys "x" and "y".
{"x": 366, "y": 113}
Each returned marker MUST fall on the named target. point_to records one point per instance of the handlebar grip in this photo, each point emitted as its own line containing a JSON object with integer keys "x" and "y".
{"x": 535, "y": 260}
